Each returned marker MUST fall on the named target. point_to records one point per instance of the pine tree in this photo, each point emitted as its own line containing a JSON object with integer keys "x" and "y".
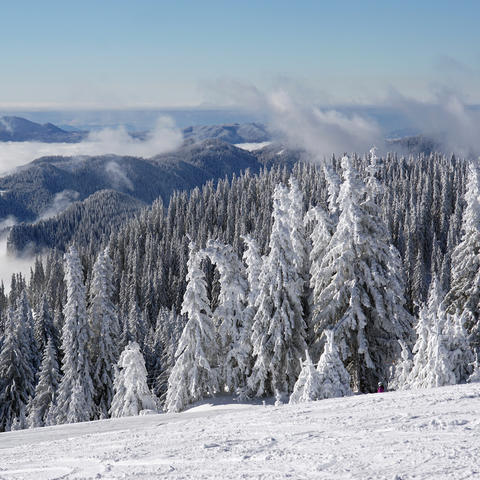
{"x": 320, "y": 237}
{"x": 16, "y": 371}
{"x": 307, "y": 386}
{"x": 75, "y": 394}
{"x": 46, "y": 389}
{"x": 475, "y": 375}
{"x": 458, "y": 347}
{"x": 253, "y": 260}
{"x": 168, "y": 335}
{"x": 195, "y": 372}
{"x": 43, "y": 325}
{"x": 105, "y": 333}
{"x": 279, "y": 331}
{"x": 297, "y": 231}
{"x": 334, "y": 380}
{"x": 441, "y": 355}
{"x": 233, "y": 343}
{"x": 401, "y": 370}
{"x": 132, "y": 394}
{"x": 465, "y": 287}
{"x": 361, "y": 287}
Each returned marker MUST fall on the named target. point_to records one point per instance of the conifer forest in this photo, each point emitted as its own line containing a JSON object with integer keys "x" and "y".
{"x": 303, "y": 281}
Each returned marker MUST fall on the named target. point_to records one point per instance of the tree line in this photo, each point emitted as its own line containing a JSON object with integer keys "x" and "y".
{"x": 241, "y": 286}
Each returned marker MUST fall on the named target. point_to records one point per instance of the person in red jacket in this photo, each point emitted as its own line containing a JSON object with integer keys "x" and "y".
{"x": 380, "y": 388}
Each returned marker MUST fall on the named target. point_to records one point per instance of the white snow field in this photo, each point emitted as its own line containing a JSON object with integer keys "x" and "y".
{"x": 419, "y": 434}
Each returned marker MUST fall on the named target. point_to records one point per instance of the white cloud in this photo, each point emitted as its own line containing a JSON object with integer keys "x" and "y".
{"x": 321, "y": 131}
{"x": 447, "y": 119}
{"x": 10, "y": 264}
{"x": 118, "y": 177}
{"x": 163, "y": 138}
{"x": 60, "y": 202}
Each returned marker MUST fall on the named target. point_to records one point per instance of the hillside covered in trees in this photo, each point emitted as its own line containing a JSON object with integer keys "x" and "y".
{"x": 362, "y": 265}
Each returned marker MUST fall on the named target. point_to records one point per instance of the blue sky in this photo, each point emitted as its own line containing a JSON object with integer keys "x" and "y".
{"x": 125, "y": 53}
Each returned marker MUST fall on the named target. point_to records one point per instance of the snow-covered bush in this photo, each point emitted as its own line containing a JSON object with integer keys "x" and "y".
{"x": 475, "y": 376}
{"x": 441, "y": 352}
{"x": 334, "y": 378}
{"x": 307, "y": 387}
{"x": 132, "y": 394}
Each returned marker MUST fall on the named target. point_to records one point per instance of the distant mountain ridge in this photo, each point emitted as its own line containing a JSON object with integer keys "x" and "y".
{"x": 231, "y": 133}
{"x": 18, "y": 129}
{"x": 26, "y": 193}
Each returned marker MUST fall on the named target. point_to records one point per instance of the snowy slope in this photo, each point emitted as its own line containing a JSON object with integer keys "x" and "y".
{"x": 421, "y": 434}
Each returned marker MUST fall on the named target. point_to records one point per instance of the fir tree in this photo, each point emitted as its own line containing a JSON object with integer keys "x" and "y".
{"x": 195, "y": 373}
{"x": 475, "y": 375}
{"x": 441, "y": 353}
{"x": 307, "y": 386}
{"x": 279, "y": 331}
{"x": 361, "y": 287}
{"x": 105, "y": 333}
{"x": 465, "y": 287}
{"x": 334, "y": 380}
{"x": 46, "y": 389}
{"x": 75, "y": 394}
{"x": 233, "y": 343}
{"x": 16, "y": 370}
{"x": 132, "y": 394}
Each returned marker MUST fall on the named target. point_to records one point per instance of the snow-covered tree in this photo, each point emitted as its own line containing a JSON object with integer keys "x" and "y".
{"x": 105, "y": 333}
{"x": 320, "y": 237}
{"x": 441, "y": 352}
{"x": 475, "y": 375}
{"x": 361, "y": 287}
{"x": 334, "y": 380}
{"x": 279, "y": 331}
{"x": 16, "y": 371}
{"x": 132, "y": 394}
{"x": 253, "y": 260}
{"x": 195, "y": 374}
{"x": 43, "y": 325}
{"x": 234, "y": 345}
{"x": 297, "y": 230}
{"x": 333, "y": 188}
{"x": 167, "y": 335}
{"x": 458, "y": 347}
{"x": 464, "y": 293}
{"x": 46, "y": 389}
{"x": 307, "y": 386}
{"x": 401, "y": 369}
{"x": 75, "y": 393}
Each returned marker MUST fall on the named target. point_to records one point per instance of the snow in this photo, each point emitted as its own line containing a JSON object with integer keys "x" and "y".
{"x": 252, "y": 146}
{"x": 416, "y": 434}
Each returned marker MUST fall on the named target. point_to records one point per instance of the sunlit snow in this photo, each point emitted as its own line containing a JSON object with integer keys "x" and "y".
{"x": 432, "y": 433}
{"x": 251, "y": 147}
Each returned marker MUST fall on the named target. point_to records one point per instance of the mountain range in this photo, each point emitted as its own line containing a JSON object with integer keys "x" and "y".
{"x": 18, "y": 129}
{"x": 45, "y": 187}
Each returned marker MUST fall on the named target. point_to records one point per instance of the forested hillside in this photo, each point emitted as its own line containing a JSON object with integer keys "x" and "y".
{"x": 361, "y": 262}
{"x": 85, "y": 222}
{"x": 30, "y": 191}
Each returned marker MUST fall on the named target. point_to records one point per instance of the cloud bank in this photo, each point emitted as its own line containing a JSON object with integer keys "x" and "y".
{"x": 448, "y": 119}
{"x": 295, "y": 114}
{"x": 163, "y": 138}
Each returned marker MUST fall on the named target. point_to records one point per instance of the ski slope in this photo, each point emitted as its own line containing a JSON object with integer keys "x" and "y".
{"x": 422, "y": 434}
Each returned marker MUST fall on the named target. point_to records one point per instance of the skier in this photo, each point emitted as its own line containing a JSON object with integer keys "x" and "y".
{"x": 380, "y": 388}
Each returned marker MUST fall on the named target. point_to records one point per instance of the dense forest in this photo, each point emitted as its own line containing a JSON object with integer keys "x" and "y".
{"x": 366, "y": 266}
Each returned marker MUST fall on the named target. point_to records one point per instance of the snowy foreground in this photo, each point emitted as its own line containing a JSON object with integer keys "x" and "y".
{"x": 399, "y": 435}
